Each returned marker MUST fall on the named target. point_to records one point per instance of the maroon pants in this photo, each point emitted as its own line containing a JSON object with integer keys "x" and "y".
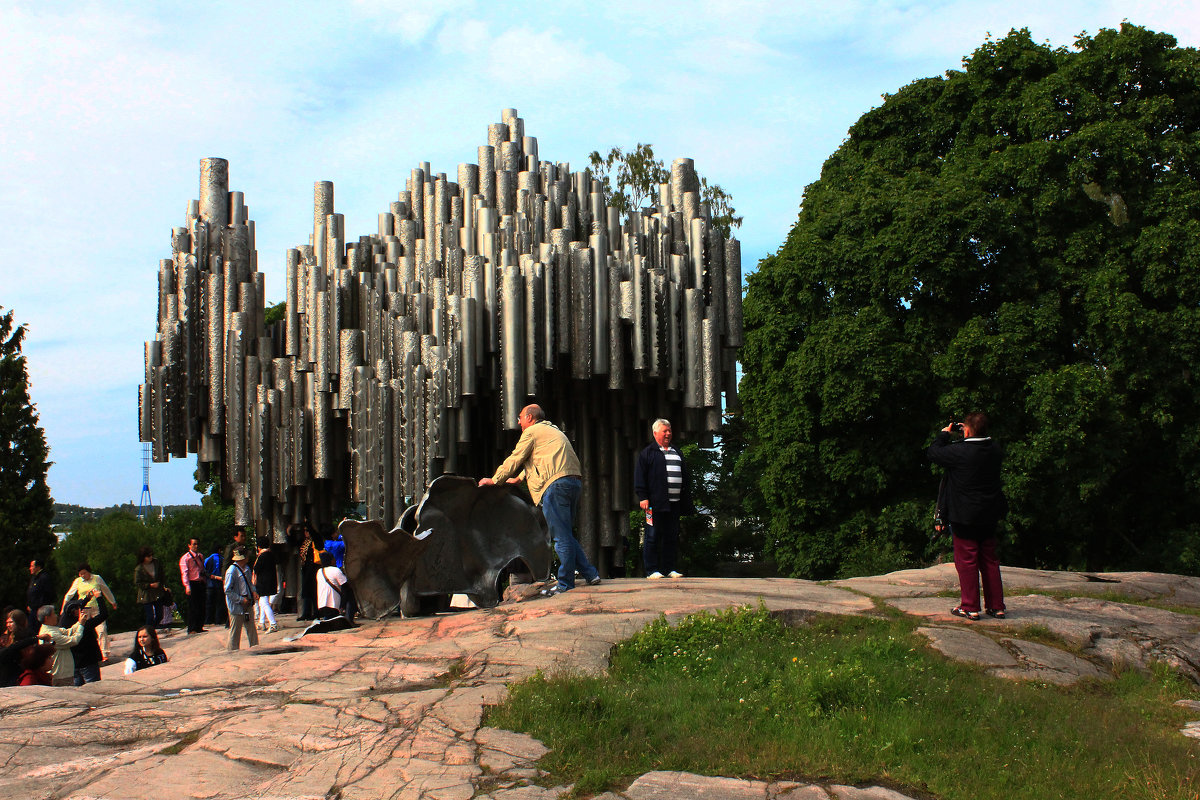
{"x": 975, "y": 560}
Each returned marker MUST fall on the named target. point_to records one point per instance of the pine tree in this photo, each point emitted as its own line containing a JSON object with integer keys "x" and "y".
{"x": 26, "y": 508}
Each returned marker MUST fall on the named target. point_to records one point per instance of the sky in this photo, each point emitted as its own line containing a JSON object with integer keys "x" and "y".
{"x": 109, "y": 107}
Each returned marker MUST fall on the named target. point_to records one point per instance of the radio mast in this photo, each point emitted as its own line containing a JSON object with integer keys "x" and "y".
{"x": 144, "y": 502}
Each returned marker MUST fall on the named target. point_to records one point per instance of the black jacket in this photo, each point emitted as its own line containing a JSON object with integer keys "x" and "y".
{"x": 266, "y": 581}
{"x": 650, "y": 481}
{"x": 973, "y": 494}
{"x": 10, "y": 657}
{"x": 87, "y": 652}
{"x": 40, "y": 592}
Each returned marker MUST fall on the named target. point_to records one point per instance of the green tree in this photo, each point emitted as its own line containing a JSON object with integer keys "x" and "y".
{"x": 110, "y": 546}
{"x": 26, "y": 507}
{"x": 723, "y": 537}
{"x": 1018, "y": 237}
{"x": 275, "y": 313}
{"x": 634, "y": 184}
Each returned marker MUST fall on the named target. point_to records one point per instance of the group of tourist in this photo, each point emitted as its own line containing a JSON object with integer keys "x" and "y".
{"x": 44, "y": 644}
{"x": 972, "y": 500}
{"x": 50, "y": 645}
{"x": 250, "y": 587}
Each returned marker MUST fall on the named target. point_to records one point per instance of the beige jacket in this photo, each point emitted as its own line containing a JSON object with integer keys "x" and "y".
{"x": 63, "y": 640}
{"x": 544, "y": 454}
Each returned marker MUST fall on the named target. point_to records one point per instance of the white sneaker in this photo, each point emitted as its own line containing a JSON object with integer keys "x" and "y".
{"x": 653, "y": 576}
{"x": 674, "y": 574}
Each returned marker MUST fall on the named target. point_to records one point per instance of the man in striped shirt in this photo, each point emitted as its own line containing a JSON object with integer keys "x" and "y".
{"x": 663, "y": 487}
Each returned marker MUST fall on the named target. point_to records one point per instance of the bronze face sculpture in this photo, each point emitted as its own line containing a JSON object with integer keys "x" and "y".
{"x": 460, "y": 539}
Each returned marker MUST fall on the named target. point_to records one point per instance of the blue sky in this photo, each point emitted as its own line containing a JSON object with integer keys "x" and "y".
{"x": 108, "y": 108}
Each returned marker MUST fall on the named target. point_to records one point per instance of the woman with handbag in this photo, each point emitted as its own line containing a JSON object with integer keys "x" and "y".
{"x": 310, "y": 561}
{"x": 148, "y": 583}
{"x": 332, "y": 586}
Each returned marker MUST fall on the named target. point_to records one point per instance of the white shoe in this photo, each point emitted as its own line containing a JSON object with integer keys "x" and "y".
{"x": 674, "y": 574}
{"x": 272, "y": 629}
{"x": 653, "y": 576}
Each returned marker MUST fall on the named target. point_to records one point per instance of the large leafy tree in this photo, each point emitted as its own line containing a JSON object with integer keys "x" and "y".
{"x": 25, "y": 504}
{"x": 1021, "y": 237}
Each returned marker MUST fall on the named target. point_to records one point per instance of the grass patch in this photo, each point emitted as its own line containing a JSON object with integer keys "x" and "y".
{"x": 188, "y": 739}
{"x": 454, "y": 672}
{"x": 1040, "y": 634}
{"x": 851, "y": 699}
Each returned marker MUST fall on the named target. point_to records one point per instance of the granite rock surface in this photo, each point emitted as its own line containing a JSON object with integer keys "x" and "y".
{"x": 393, "y": 709}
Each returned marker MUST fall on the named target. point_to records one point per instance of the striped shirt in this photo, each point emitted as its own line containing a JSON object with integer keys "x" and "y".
{"x": 674, "y": 473}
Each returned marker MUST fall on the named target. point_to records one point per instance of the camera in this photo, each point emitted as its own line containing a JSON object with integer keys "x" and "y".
{"x": 957, "y": 427}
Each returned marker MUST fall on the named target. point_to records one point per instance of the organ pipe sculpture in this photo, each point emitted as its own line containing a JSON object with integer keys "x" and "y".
{"x": 407, "y": 354}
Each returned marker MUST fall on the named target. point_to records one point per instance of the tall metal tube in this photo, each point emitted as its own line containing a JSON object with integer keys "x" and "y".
{"x": 398, "y": 349}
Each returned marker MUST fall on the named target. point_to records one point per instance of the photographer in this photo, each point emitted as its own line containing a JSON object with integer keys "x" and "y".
{"x": 973, "y": 503}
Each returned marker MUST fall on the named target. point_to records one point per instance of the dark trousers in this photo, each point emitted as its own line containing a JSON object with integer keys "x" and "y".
{"x": 197, "y": 594}
{"x": 661, "y": 542}
{"x": 976, "y": 560}
{"x": 153, "y": 613}
{"x": 88, "y": 674}
{"x": 216, "y": 604}
{"x": 307, "y": 602}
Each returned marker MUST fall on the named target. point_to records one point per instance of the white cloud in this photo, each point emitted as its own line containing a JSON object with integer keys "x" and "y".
{"x": 465, "y": 36}
{"x": 411, "y": 20}
{"x": 546, "y": 60}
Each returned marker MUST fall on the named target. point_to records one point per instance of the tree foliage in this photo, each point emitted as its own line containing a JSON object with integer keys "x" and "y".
{"x": 110, "y": 546}
{"x": 26, "y": 507}
{"x": 636, "y": 179}
{"x": 1018, "y": 237}
{"x": 275, "y": 313}
{"x": 722, "y": 534}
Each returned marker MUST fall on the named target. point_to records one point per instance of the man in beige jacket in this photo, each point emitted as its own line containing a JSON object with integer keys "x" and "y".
{"x": 551, "y": 469}
{"x": 63, "y": 670}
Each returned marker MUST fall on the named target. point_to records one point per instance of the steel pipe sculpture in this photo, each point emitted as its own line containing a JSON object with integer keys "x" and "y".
{"x": 407, "y": 354}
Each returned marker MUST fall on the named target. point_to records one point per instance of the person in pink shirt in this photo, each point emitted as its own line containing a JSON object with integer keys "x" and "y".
{"x": 191, "y": 572}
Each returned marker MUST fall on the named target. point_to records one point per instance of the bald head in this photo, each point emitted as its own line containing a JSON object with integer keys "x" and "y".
{"x": 530, "y": 415}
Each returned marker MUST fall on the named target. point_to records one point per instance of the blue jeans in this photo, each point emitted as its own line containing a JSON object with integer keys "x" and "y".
{"x": 88, "y": 674}
{"x": 153, "y": 612}
{"x": 560, "y": 503}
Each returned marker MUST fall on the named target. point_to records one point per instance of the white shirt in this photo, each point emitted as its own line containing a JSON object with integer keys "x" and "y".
{"x": 327, "y": 578}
